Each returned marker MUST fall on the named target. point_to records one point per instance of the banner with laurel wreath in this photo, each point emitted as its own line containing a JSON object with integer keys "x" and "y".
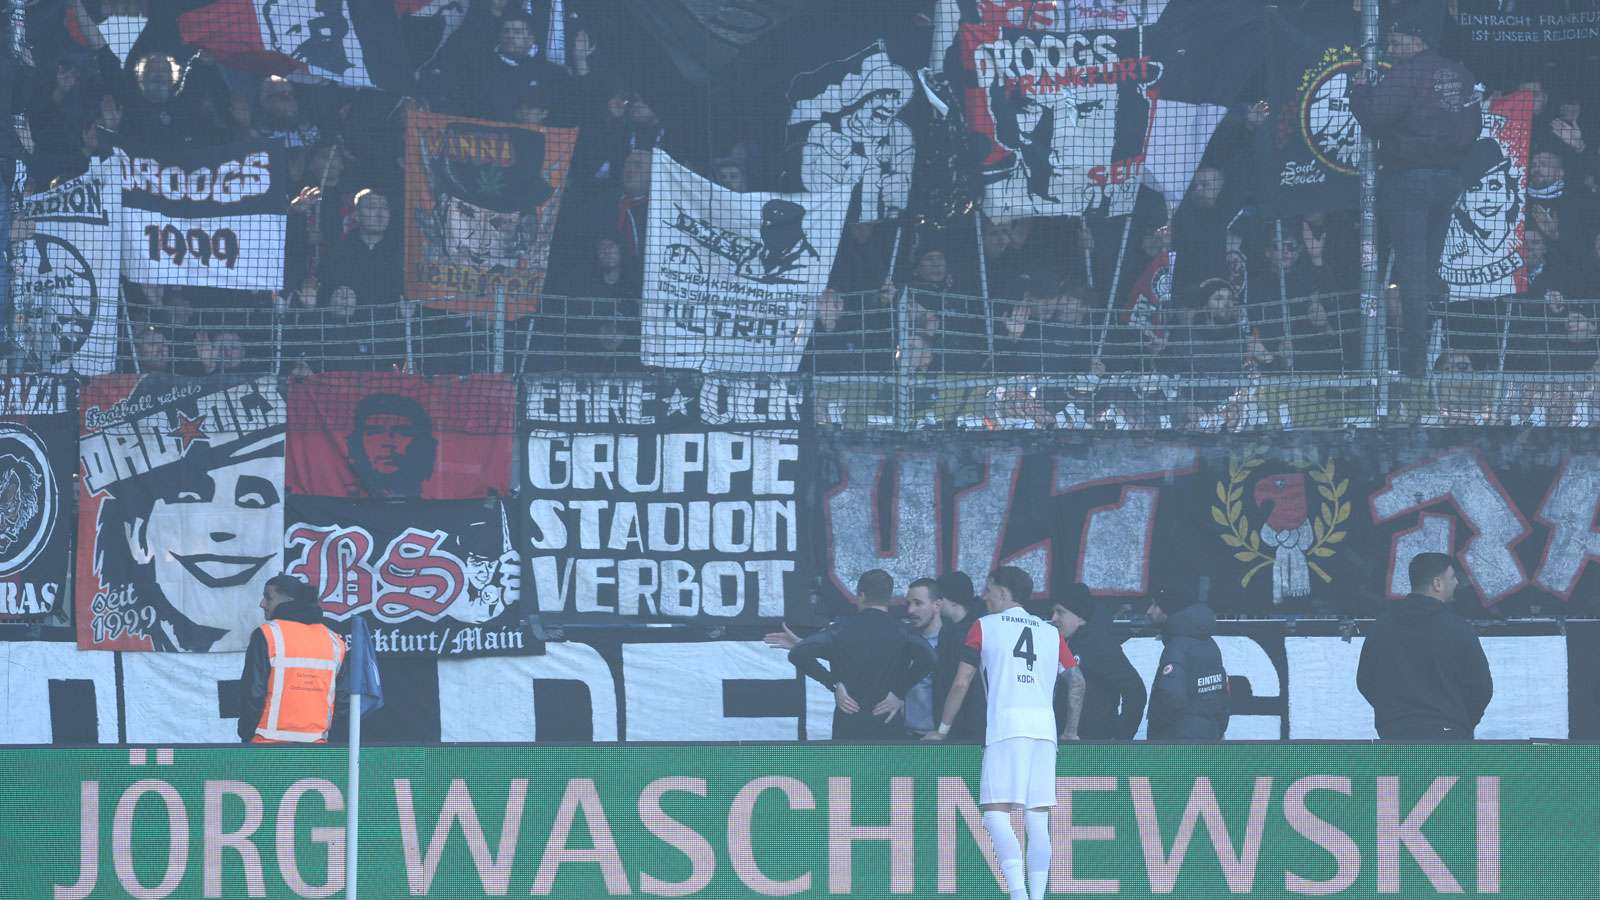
{"x": 1299, "y": 523}
{"x": 1290, "y": 540}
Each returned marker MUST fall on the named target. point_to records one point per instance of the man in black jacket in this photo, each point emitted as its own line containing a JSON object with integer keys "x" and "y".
{"x": 1113, "y": 702}
{"x": 873, "y": 662}
{"x": 1189, "y": 699}
{"x": 1422, "y": 667}
{"x": 291, "y": 600}
{"x": 1425, "y": 114}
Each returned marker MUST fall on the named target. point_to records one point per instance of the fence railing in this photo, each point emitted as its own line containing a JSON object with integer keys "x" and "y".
{"x": 915, "y": 359}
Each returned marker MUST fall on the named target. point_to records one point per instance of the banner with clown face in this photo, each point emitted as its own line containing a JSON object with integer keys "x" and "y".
{"x": 181, "y": 511}
{"x": 1483, "y": 246}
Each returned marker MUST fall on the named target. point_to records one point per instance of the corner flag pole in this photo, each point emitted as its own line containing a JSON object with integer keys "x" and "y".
{"x": 366, "y": 695}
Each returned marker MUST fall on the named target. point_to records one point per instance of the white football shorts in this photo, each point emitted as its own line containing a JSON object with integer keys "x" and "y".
{"x": 1021, "y": 771}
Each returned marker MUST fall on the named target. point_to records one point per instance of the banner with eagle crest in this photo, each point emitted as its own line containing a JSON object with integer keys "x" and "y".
{"x": 38, "y": 432}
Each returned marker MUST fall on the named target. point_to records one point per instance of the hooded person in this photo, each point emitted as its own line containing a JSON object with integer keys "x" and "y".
{"x": 1189, "y": 698}
{"x": 1114, "y": 696}
{"x": 1425, "y": 114}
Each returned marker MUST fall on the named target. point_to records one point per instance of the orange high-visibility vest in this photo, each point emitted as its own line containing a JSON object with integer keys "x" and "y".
{"x": 305, "y": 660}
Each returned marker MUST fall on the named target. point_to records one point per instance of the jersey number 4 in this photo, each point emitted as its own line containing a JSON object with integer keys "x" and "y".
{"x": 1024, "y": 648}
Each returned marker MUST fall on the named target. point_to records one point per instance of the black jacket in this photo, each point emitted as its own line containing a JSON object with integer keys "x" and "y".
{"x": 972, "y": 720}
{"x": 1114, "y": 695}
{"x": 1189, "y": 699}
{"x": 1422, "y": 667}
{"x": 257, "y": 676}
{"x": 1423, "y": 113}
{"x": 871, "y": 652}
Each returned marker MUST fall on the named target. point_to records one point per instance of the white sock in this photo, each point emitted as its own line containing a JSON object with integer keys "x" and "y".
{"x": 1038, "y": 826}
{"x": 1008, "y": 851}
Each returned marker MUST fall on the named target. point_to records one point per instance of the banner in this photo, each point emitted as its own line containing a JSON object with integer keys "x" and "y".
{"x": 1149, "y": 301}
{"x": 702, "y": 37}
{"x": 1061, "y": 109}
{"x": 1506, "y": 43}
{"x": 845, "y": 130}
{"x": 1185, "y": 821}
{"x": 668, "y": 499}
{"x": 38, "y": 438}
{"x": 180, "y": 519}
{"x": 1301, "y": 523}
{"x": 434, "y": 578}
{"x": 481, "y": 204}
{"x": 389, "y": 435}
{"x": 64, "y": 275}
{"x": 205, "y": 216}
{"x": 356, "y": 44}
{"x": 1290, "y": 680}
{"x": 1312, "y": 139}
{"x": 730, "y": 279}
{"x": 1483, "y": 246}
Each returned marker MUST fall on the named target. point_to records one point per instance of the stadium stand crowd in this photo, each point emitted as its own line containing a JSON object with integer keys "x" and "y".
{"x": 1248, "y": 296}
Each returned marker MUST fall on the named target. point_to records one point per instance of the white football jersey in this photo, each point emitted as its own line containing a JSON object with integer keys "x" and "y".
{"x": 1020, "y": 656}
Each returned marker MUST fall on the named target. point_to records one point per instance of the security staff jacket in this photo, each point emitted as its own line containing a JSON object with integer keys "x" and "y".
{"x": 255, "y": 682}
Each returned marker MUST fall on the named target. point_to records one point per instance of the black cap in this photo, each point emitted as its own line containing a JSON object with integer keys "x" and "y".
{"x": 1423, "y": 19}
{"x": 1076, "y": 599}
{"x": 957, "y": 587}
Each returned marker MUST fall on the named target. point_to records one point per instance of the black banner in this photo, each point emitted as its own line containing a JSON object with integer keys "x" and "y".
{"x": 1312, "y": 139}
{"x": 1508, "y": 43}
{"x": 434, "y": 577}
{"x": 703, "y": 36}
{"x": 1298, "y": 523}
{"x": 667, "y": 499}
{"x": 38, "y": 444}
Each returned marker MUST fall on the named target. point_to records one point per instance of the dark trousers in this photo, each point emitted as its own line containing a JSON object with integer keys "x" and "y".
{"x": 1417, "y": 204}
{"x": 864, "y": 726}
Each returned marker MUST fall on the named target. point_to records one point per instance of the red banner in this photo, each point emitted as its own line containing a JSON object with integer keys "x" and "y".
{"x": 389, "y": 435}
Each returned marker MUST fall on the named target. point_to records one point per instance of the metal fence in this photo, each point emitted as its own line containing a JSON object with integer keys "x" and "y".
{"x": 920, "y": 360}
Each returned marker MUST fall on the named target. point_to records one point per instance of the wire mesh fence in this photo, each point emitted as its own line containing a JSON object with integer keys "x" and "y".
{"x": 947, "y": 213}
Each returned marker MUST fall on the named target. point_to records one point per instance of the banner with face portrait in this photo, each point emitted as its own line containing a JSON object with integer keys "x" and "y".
{"x": 64, "y": 274}
{"x": 38, "y": 435}
{"x": 730, "y": 279}
{"x": 481, "y": 205}
{"x": 1060, "y": 101}
{"x": 388, "y": 435}
{"x": 845, "y": 131}
{"x": 206, "y": 216}
{"x": 1483, "y": 245}
{"x": 667, "y": 499}
{"x": 435, "y": 578}
{"x": 180, "y": 511}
